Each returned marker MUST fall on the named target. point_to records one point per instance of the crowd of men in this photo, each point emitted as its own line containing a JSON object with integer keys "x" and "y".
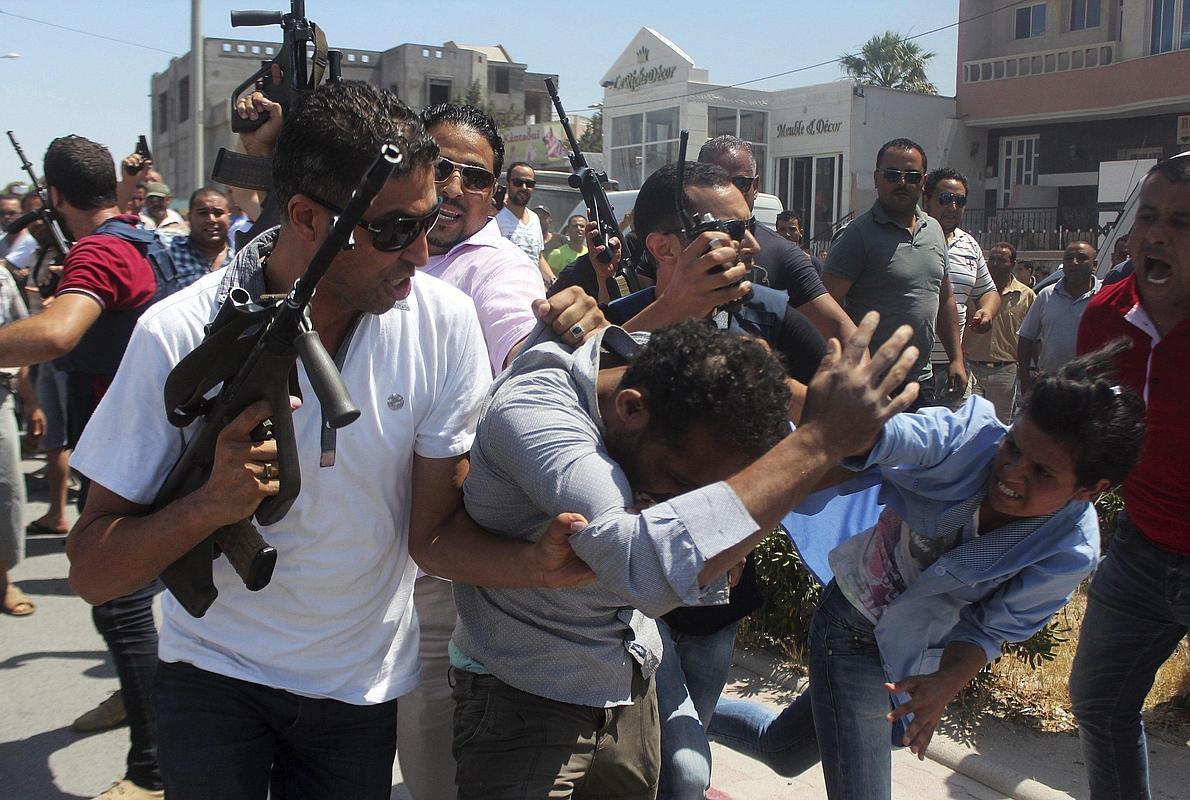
{"x": 520, "y": 572}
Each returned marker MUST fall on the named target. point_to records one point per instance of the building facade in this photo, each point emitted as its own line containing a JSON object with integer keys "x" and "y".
{"x": 815, "y": 146}
{"x": 1070, "y": 101}
{"x": 420, "y": 74}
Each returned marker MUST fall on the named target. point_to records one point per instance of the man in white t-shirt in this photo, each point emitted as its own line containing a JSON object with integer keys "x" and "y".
{"x": 296, "y": 685}
{"x": 517, "y": 223}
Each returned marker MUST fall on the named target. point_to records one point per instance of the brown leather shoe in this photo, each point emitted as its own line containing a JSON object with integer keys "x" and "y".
{"x": 108, "y": 714}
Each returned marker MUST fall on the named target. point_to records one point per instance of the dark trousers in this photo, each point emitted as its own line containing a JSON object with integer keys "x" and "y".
{"x": 234, "y": 740}
{"x": 126, "y": 625}
{"x": 512, "y": 745}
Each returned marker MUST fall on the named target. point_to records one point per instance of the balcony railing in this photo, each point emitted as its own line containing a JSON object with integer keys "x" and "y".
{"x": 1024, "y": 64}
{"x": 1034, "y": 228}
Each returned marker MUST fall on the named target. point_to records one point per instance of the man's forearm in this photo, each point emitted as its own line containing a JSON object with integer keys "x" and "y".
{"x": 460, "y": 550}
{"x": 1024, "y": 355}
{"x": 825, "y": 313}
{"x": 32, "y": 341}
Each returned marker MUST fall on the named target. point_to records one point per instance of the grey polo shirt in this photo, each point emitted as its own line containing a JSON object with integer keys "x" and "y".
{"x": 1053, "y": 318}
{"x": 895, "y": 273}
{"x": 538, "y": 452}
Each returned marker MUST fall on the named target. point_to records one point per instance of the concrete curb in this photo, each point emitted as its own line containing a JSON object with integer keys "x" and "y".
{"x": 963, "y": 760}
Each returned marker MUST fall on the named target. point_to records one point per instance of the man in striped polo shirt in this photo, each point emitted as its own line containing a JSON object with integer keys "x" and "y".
{"x": 944, "y": 196}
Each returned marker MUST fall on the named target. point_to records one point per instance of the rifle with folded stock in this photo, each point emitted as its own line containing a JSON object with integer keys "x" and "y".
{"x": 46, "y": 212}
{"x": 590, "y": 185}
{"x": 251, "y": 348}
{"x": 301, "y": 71}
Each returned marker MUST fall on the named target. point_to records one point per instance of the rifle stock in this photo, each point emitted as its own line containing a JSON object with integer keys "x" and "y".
{"x": 590, "y": 186}
{"x": 251, "y": 349}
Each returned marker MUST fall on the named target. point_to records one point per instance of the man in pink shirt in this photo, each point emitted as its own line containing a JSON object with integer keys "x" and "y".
{"x": 468, "y": 251}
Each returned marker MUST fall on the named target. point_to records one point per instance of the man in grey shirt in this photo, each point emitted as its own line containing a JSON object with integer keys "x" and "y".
{"x": 893, "y": 259}
{"x": 553, "y": 688}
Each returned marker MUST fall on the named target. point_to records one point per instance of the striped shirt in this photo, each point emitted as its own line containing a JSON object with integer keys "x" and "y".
{"x": 969, "y": 280}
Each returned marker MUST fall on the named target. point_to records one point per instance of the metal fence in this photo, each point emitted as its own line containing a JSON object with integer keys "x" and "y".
{"x": 1034, "y": 228}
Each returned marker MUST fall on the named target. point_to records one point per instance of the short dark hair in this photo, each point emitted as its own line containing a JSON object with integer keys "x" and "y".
{"x": 902, "y": 144}
{"x": 470, "y": 117}
{"x": 1174, "y": 170}
{"x": 514, "y": 165}
{"x": 942, "y": 174}
{"x": 692, "y": 373}
{"x": 1007, "y": 247}
{"x": 4, "y": 197}
{"x": 722, "y": 147}
{"x": 1099, "y": 421}
{"x": 792, "y": 213}
{"x": 333, "y": 134}
{"x": 573, "y": 217}
{"x": 201, "y": 191}
{"x": 83, "y": 171}
{"x": 655, "y": 209}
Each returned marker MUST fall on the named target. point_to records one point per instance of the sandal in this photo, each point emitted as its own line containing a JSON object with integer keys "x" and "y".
{"x": 36, "y": 528}
{"x": 17, "y": 603}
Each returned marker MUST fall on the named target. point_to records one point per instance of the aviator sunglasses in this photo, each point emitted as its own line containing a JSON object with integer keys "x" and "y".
{"x": 395, "y": 233}
{"x": 950, "y": 198}
{"x": 734, "y": 228}
{"x": 475, "y": 179}
{"x": 744, "y": 182}
{"x": 901, "y": 175}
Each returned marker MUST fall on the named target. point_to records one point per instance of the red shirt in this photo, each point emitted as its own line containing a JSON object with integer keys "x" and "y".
{"x": 1157, "y": 492}
{"x": 110, "y": 270}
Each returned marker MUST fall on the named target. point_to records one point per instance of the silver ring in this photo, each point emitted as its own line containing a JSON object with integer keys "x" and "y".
{"x": 577, "y": 330}
{"x": 269, "y": 473}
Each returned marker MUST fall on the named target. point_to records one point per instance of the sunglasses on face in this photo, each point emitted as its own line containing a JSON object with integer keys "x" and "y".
{"x": 523, "y": 183}
{"x": 475, "y": 179}
{"x": 950, "y": 198}
{"x": 734, "y": 228}
{"x": 901, "y": 175}
{"x": 744, "y": 182}
{"x": 395, "y": 233}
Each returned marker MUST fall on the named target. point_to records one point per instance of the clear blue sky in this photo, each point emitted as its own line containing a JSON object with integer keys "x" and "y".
{"x": 66, "y": 82}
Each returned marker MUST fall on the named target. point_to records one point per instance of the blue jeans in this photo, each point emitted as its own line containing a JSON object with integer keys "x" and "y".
{"x": 841, "y": 719}
{"x": 236, "y": 740}
{"x": 126, "y": 624}
{"x": 690, "y": 679}
{"x": 1137, "y": 612}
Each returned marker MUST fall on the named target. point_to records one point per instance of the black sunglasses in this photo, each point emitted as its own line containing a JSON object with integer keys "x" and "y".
{"x": 734, "y": 228}
{"x": 950, "y": 198}
{"x": 523, "y": 183}
{"x": 901, "y": 175}
{"x": 475, "y": 179}
{"x": 395, "y": 233}
{"x": 743, "y": 182}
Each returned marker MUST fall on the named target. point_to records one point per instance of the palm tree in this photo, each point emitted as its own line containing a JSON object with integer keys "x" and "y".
{"x": 890, "y": 60}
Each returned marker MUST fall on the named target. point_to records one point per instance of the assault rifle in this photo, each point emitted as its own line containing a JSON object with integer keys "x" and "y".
{"x": 302, "y": 69}
{"x": 45, "y": 213}
{"x": 251, "y": 348}
{"x": 590, "y": 185}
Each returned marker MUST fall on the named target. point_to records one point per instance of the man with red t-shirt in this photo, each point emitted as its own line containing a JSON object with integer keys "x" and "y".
{"x": 107, "y": 282}
{"x": 1139, "y": 605}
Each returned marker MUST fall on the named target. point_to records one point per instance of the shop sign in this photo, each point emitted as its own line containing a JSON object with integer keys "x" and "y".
{"x": 1184, "y": 129}
{"x": 631, "y": 81}
{"x": 809, "y": 127}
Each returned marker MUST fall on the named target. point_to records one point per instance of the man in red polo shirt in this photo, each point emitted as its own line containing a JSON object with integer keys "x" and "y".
{"x": 1139, "y": 606}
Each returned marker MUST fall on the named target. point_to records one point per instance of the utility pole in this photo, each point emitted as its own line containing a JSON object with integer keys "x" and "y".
{"x": 197, "y": 84}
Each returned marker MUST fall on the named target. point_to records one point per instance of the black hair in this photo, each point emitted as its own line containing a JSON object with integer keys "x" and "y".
{"x": 693, "y": 374}
{"x": 793, "y": 213}
{"x": 1099, "y": 421}
{"x": 655, "y": 209}
{"x": 722, "y": 147}
{"x": 333, "y": 134}
{"x": 514, "y": 165}
{"x": 902, "y": 144}
{"x": 1174, "y": 170}
{"x": 83, "y": 171}
{"x": 1007, "y": 246}
{"x": 470, "y": 117}
{"x": 942, "y": 174}
{"x": 204, "y": 190}
{"x": 4, "y": 197}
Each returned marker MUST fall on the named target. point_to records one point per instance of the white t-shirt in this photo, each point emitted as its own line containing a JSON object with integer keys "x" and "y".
{"x": 525, "y": 235}
{"x": 337, "y": 619}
